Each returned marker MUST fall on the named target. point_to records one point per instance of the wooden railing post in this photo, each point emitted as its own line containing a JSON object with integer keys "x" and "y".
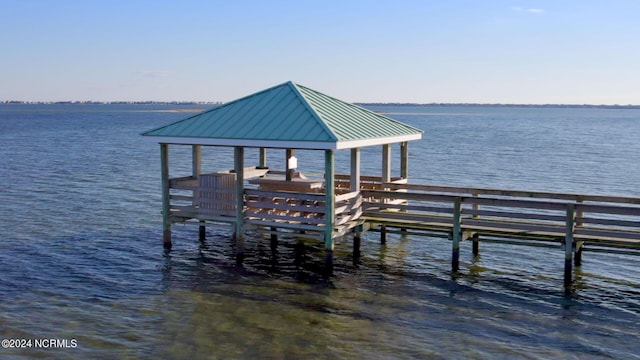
{"x": 579, "y": 214}
{"x": 475, "y": 242}
{"x": 456, "y": 234}
{"x": 568, "y": 247}
{"x": 357, "y": 240}
{"x": 579, "y": 221}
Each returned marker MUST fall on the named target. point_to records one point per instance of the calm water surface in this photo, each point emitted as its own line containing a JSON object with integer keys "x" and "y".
{"x": 81, "y": 255}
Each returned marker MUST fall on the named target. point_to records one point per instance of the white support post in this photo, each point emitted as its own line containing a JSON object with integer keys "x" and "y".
{"x": 404, "y": 160}
{"x": 355, "y": 170}
{"x": 330, "y": 212}
{"x": 289, "y": 153}
{"x": 386, "y": 163}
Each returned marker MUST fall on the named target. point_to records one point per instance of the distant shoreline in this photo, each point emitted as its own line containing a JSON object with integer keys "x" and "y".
{"x": 213, "y": 103}
{"x": 504, "y": 105}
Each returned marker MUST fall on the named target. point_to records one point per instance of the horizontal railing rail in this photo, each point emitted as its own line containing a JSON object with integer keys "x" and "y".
{"x": 281, "y": 209}
{"x": 604, "y": 221}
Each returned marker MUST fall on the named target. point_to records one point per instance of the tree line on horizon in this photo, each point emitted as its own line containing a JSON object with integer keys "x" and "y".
{"x": 150, "y": 102}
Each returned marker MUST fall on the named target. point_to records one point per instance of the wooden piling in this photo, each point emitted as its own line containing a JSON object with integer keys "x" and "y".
{"x": 456, "y": 235}
{"x": 568, "y": 247}
{"x": 196, "y": 170}
{"x": 357, "y": 241}
{"x": 202, "y": 231}
{"x": 238, "y": 156}
{"x": 578, "y": 253}
{"x": 166, "y": 208}
{"x": 274, "y": 238}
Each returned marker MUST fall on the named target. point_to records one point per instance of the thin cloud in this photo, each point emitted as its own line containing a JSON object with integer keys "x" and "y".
{"x": 531, "y": 10}
{"x": 156, "y": 74}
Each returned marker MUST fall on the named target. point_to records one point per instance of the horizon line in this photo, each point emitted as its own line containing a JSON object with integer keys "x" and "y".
{"x": 361, "y": 103}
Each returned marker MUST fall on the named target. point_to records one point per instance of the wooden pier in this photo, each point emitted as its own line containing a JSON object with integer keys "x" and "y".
{"x": 336, "y": 206}
{"x": 572, "y": 223}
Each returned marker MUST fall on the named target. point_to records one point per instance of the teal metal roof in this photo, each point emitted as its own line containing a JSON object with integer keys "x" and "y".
{"x": 287, "y": 116}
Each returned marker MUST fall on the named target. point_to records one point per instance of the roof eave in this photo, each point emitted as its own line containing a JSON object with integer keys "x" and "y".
{"x": 377, "y": 141}
{"x": 277, "y": 144}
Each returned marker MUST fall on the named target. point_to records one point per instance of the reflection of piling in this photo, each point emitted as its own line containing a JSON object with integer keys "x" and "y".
{"x": 475, "y": 244}
{"x": 383, "y": 234}
{"x": 357, "y": 241}
{"x": 274, "y": 238}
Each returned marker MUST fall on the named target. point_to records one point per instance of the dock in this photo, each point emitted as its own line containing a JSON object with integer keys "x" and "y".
{"x": 281, "y": 199}
{"x": 572, "y": 223}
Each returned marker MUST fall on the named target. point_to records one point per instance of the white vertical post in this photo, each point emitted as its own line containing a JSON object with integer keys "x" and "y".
{"x": 330, "y": 213}
{"x": 289, "y": 153}
{"x": 386, "y": 163}
{"x": 355, "y": 170}
{"x": 354, "y": 185}
{"x": 404, "y": 159}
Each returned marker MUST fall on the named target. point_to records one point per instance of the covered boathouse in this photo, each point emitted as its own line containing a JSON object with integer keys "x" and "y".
{"x": 289, "y": 117}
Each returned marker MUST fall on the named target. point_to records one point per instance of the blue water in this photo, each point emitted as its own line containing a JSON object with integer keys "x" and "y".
{"x": 81, "y": 255}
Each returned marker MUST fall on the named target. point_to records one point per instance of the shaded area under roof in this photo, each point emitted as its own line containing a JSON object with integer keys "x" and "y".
{"x": 287, "y": 116}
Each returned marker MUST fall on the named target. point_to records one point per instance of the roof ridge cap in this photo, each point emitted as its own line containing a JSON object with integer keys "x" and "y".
{"x": 312, "y": 109}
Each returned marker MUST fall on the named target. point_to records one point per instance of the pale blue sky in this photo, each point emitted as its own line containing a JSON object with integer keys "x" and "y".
{"x": 491, "y": 51}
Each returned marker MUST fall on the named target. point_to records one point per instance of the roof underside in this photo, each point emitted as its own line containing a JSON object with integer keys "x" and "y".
{"x": 287, "y": 116}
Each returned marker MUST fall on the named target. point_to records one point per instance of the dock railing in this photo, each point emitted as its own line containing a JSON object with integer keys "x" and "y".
{"x": 304, "y": 212}
{"x": 367, "y": 182}
{"x": 596, "y": 220}
{"x": 285, "y": 210}
{"x": 210, "y": 197}
{"x": 530, "y": 217}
